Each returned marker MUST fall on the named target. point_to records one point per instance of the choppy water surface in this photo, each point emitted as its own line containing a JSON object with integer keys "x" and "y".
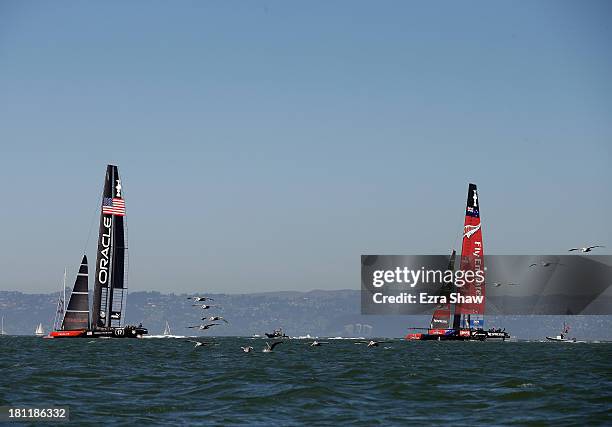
{"x": 164, "y": 381}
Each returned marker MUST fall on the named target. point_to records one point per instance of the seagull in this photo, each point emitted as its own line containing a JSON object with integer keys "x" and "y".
{"x": 204, "y": 306}
{"x": 497, "y": 284}
{"x": 203, "y": 327}
{"x": 546, "y": 264}
{"x": 316, "y": 343}
{"x": 370, "y": 343}
{"x": 215, "y": 318}
{"x": 198, "y": 343}
{"x": 201, "y": 298}
{"x": 247, "y": 349}
{"x": 269, "y": 348}
{"x": 587, "y": 249}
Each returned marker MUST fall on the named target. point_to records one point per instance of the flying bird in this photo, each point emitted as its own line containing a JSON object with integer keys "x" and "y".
{"x": 497, "y": 284}
{"x": 201, "y": 298}
{"x": 587, "y": 249}
{"x": 545, "y": 264}
{"x": 198, "y": 343}
{"x": 247, "y": 349}
{"x": 269, "y": 348}
{"x": 204, "y": 306}
{"x": 370, "y": 343}
{"x": 215, "y": 318}
{"x": 203, "y": 327}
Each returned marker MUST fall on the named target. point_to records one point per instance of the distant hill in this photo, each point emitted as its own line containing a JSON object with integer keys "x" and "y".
{"x": 317, "y": 312}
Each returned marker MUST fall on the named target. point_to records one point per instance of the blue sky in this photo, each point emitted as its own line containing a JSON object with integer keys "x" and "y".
{"x": 266, "y": 145}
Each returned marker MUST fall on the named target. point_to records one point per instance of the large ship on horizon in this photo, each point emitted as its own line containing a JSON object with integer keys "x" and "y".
{"x": 105, "y": 317}
{"x": 466, "y": 322}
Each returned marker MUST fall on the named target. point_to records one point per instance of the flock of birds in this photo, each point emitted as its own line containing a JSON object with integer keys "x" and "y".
{"x": 205, "y": 306}
{"x": 270, "y": 347}
{"x": 371, "y": 343}
{"x": 248, "y": 349}
{"x": 549, "y": 263}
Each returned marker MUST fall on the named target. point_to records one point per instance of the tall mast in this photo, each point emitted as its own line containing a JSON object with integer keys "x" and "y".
{"x": 110, "y": 262}
{"x": 472, "y": 259}
{"x": 64, "y": 287}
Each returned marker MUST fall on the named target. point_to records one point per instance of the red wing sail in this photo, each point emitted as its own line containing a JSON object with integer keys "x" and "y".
{"x": 472, "y": 259}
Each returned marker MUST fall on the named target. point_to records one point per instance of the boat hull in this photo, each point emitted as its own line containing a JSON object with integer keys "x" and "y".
{"x": 458, "y": 335}
{"x": 122, "y": 332}
{"x": 559, "y": 339}
{"x": 66, "y": 334}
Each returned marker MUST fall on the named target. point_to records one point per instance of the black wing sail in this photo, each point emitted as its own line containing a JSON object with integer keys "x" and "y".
{"x": 110, "y": 262}
{"x": 77, "y": 312}
{"x": 441, "y": 316}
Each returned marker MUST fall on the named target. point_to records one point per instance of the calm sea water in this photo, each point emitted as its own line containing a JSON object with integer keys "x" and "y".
{"x": 167, "y": 381}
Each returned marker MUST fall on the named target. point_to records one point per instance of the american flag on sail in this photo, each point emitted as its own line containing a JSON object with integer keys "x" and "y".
{"x": 113, "y": 206}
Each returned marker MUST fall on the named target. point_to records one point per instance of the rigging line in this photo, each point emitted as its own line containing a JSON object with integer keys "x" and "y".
{"x": 126, "y": 254}
{"x": 460, "y": 233}
{"x": 93, "y": 218}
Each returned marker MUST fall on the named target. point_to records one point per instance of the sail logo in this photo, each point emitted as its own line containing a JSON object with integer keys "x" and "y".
{"x": 477, "y": 252}
{"x": 105, "y": 241}
{"x": 475, "y": 198}
{"x": 470, "y": 230}
{"x": 118, "y": 188}
{"x": 478, "y": 267}
{"x": 470, "y": 211}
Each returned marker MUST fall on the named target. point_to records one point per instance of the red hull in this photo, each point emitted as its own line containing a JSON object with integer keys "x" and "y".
{"x": 416, "y": 336}
{"x": 66, "y": 334}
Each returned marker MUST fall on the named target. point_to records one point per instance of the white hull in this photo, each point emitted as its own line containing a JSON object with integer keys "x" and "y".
{"x": 559, "y": 339}
{"x": 164, "y": 336}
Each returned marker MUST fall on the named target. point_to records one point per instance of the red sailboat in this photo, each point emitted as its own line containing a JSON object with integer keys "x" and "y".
{"x": 467, "y": 321}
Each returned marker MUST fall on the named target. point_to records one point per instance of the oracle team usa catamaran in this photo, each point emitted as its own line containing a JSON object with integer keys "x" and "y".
{"x": 105, "y": 318}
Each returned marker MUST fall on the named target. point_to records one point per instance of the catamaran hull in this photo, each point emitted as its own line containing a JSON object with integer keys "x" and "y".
{"x": 458, "y": 335}
{"x": 66, "y": 334}
{"x": 121, "y": 332}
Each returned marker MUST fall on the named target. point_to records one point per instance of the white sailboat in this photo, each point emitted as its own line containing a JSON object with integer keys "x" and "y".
{"x": 2, "y": 327}
{"x": 39, "y": 330}
{"x": 167, "y": 333}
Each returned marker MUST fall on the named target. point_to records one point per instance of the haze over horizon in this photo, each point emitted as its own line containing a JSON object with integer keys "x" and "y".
{"x": 266, "y": 146}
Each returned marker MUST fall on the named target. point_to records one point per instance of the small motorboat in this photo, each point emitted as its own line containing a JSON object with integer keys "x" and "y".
{"x": 277, "y": 333}
{"x": 562, "y": 337}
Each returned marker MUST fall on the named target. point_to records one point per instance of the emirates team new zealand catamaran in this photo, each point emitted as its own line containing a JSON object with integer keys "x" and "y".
{"x": 105, "y": 319}
{"x": 468, "y": 317}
